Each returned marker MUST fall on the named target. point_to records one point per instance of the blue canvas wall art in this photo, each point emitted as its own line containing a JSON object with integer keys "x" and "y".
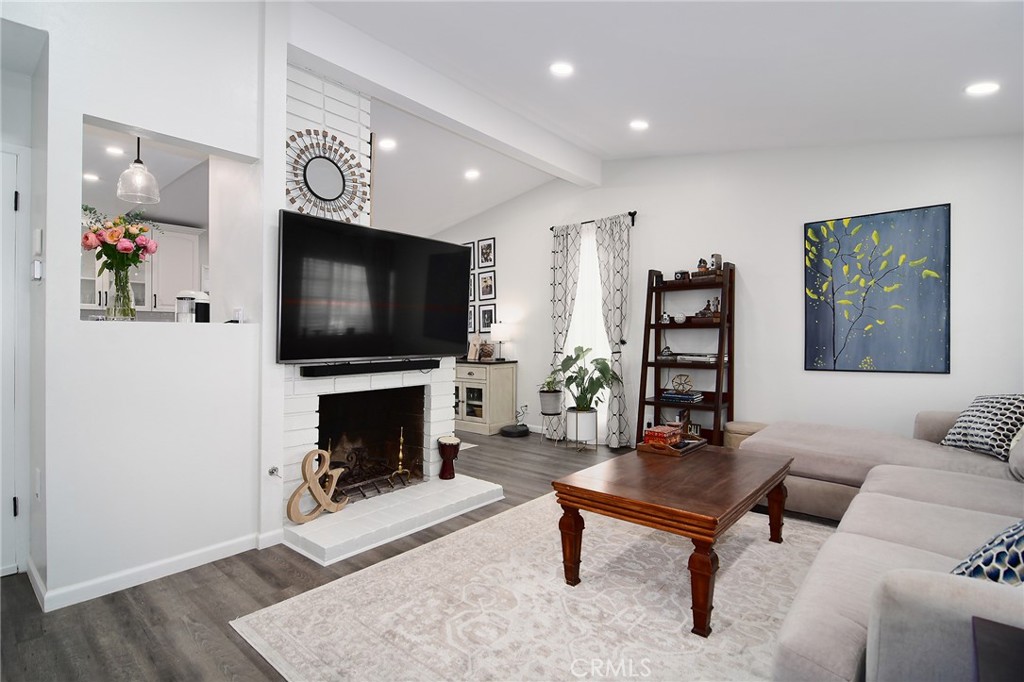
{"x": 876, "y": 292}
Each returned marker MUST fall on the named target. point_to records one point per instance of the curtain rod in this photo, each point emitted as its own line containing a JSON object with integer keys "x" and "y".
{"x": 632, "y": 221}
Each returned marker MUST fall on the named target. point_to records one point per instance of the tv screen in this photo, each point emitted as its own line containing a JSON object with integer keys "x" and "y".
{"x": 348, "y": 292}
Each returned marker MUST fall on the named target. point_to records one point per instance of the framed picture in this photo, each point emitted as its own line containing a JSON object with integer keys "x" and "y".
{"x": 487, "y": 317}
{"x": 486, "y": 285}
{"x": 876, "y": 292}
{"x": 472, "y": 256}
{"x": 485, "y": 256}
{"x": 472, "y": 287}
{"x": 472, "y": 319}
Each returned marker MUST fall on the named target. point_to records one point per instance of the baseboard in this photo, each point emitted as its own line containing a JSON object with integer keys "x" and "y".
{"x": 37, "y": 582}
{"x": 90, "y": 589}
{"x": 274, "y": 537}
{"x": 10, "y": 569}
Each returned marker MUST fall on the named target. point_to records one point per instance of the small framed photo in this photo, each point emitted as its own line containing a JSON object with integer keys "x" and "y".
{"x": 485, "y": 255}
{"x": 472, "y": 256}
{"x": 472, "y": 319}
{"x": 486, "y": 285}
{"x": 472, "y": 287}
{"x": 487, "y": 317}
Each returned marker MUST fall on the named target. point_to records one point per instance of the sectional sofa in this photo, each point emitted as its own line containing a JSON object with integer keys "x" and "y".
{"x": 879, "y": 602}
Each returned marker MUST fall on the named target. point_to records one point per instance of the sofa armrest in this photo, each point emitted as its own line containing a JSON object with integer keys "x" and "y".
{"x": 920, "y": 628}
{"x": 933, "y": 425}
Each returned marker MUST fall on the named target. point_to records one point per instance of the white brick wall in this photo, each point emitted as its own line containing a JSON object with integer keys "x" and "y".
{"x": 302, "y": 399}
{"x": 317, "y": 103}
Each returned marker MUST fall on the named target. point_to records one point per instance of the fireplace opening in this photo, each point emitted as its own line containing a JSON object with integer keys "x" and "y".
{"x": 364, "y": 431}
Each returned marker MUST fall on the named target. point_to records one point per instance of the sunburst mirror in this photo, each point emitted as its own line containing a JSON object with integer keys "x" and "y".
{"x": 325, "y": 177}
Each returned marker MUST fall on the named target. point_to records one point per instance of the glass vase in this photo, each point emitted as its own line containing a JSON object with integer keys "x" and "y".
{"x": 120, "y": 302}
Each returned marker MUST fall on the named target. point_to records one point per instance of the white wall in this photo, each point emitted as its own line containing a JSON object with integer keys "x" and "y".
{"x": 751, "y": 208}
{"x": 137, "y": 415}
{"x": 16, "y": 113}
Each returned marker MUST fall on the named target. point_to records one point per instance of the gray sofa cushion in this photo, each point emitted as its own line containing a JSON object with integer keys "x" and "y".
{"x": 979, "y": 493}
{"x": 846, "y": 455}
{"x": 825, "y": 631}
{"x": 937, "y": 528}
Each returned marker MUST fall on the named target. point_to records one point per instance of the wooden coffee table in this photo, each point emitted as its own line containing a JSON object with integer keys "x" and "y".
{"x": 699, "y": 496}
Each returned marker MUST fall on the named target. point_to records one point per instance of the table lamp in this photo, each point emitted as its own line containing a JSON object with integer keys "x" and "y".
{"x": 500, "y": 333}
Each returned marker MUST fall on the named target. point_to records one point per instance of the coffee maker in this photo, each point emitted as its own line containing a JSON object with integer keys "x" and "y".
{"x": 192, "y": 306}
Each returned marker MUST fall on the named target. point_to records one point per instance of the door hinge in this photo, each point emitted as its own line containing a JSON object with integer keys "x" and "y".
{"x": 16, "y": 197}
{"x": 15, "y": 506}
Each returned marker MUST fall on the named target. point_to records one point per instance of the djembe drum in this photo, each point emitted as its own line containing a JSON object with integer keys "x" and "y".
{"x": 448, "y": 447}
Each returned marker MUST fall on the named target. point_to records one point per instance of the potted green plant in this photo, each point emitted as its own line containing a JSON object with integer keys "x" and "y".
{"x": 551, "y": 394}
{"x": 585, "y": 381}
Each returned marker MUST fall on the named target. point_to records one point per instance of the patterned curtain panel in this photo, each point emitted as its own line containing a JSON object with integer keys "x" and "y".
{"x": 613, "y": 261}
{"x": 565, "y": 275}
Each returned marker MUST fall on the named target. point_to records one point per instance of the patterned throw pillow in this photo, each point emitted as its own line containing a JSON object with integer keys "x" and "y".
{"x": 999, "y": 559}
{"x": 991, "y": 425}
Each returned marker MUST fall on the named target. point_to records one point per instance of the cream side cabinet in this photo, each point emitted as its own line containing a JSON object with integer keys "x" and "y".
{"x": 485, "y": 396}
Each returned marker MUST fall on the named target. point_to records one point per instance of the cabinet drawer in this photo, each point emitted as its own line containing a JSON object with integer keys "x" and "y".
{"x": 470, "y": 372}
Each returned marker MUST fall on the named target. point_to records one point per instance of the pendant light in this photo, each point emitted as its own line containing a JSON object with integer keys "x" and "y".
{"x": 137, "y": 184}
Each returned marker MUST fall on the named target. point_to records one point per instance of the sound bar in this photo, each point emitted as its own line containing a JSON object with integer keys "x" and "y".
{"x": 367, "y": 367}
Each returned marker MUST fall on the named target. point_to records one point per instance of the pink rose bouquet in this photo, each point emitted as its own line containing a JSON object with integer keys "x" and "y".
{"x": 120, "y": 243}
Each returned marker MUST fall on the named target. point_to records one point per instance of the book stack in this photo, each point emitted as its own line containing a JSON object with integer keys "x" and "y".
{"x": 682, "y": 397}
{"x": 710, "y": 358}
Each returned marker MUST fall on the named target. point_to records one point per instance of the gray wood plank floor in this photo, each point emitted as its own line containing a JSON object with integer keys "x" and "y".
{"x": 176, "y": 628}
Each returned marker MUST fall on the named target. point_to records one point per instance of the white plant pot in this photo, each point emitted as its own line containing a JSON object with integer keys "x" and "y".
{"x": 581, "y": 427}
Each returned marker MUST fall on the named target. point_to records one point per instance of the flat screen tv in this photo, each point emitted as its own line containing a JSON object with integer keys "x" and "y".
{"x": 348, "y": 292}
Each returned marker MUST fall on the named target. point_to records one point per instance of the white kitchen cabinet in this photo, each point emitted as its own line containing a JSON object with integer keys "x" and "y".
{"x": 175, "y": 266}
{"x": 485, "y": 396}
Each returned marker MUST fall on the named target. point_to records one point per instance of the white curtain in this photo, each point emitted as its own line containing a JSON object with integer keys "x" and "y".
{"x": 565, "y": 273}
{"x": 613, "y": 259}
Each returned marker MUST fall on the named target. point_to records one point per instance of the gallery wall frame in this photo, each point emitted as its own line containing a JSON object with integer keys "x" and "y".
{"x": 486, "y": 253}
{"x": 488, "y": 314}
{"x": 487, "y": 285}
{"x": 472, "y": 255}
{"x": 876, "y": 292}
{"x": 472, "y": 319}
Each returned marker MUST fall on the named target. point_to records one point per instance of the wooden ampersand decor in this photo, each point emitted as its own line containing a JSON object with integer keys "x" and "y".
{"x": 311, "y": 481}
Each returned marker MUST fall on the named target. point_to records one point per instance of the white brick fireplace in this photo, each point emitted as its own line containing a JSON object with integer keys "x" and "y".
{"x": 367, "y": 523}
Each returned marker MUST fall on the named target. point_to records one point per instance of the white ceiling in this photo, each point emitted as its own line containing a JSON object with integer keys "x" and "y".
{"x": 717, "y": 76}
{"x": 709, "y": 77}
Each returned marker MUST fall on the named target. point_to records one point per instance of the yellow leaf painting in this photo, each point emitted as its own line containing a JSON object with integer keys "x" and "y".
{"x": 925, "y": 274}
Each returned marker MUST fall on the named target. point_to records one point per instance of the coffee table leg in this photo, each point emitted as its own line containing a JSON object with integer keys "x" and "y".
{"x": 703, "y": 566}
{"x": 571, "y": 525}
{"x": 776, "y": 505}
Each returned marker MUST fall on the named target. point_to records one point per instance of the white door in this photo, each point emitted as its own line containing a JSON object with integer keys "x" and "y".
{"x": 8, "y": 245}
{"x": 175, "y": 267}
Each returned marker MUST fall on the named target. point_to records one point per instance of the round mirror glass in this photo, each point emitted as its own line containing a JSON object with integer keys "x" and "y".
{"x": 323, "y": 178}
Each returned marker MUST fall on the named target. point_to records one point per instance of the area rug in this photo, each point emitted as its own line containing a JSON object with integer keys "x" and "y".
{"x": 489, "y": 602}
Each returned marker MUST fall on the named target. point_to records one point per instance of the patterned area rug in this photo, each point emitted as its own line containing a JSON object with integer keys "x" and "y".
{"x": 489, "y": 602}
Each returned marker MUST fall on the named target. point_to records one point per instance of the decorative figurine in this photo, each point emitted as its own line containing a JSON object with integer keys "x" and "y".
{"x": 716, "y": 305}
{"x": 706, "y": 312}
{"x": 716, "y": 261}
{"x": 665, "y": 318}
{"x": 702, "y": 265}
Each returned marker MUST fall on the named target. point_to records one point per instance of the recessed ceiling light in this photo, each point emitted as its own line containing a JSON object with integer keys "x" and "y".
{"x": 386, "y": 143}
{"x": 639, "y": 124}
{"x": 982, "y": 89}
{"x": 115, "y": 151}
{"x": 91, "y": 177}
{"x": 561, "y": 69}
{"x": 472, "y": 174}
